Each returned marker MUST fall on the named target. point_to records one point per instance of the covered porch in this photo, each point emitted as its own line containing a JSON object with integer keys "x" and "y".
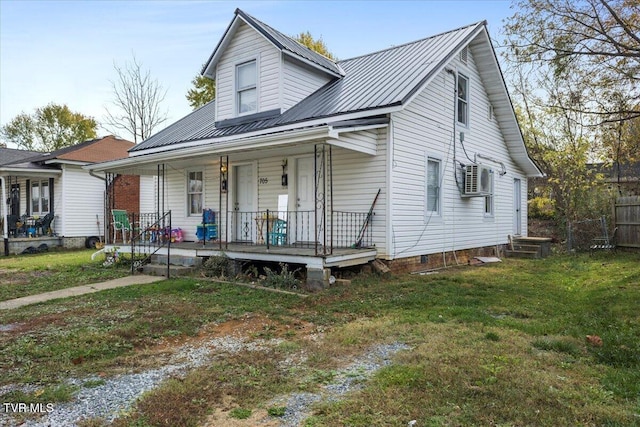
{"x": 276, "y": 202}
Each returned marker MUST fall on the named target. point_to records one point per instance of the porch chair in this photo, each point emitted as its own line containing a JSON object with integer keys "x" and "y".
{"x": 44, "y": 223}
{"x": 121, "y": 223}
{"x": 278, "y": 233}
{"x": 12, "y": 225}
{"x": 604, "y": 242}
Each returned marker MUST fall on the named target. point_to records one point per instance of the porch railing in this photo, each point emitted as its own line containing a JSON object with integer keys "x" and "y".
{"x": 152, "y": 232}
{"x": 300, "y": 229}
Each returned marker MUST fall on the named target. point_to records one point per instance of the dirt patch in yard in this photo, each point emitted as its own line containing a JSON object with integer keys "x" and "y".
{"x": 16, "y": 277}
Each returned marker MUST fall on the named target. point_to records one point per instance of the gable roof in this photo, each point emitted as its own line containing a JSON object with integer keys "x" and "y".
{"x": 93, "y": 151}
{"x": 13, "y": 155}
{"x": 284, "y": 43}
{"x": 383, "y": 79}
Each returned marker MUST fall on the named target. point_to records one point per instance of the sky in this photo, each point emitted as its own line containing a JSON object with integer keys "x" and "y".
{"x": 64, "y": 52}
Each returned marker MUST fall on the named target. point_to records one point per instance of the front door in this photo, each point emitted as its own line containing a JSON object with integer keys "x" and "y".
{"x": 243, "y": 204}
{"x": 305, "y": 200}
{"x": 517, "y": 208}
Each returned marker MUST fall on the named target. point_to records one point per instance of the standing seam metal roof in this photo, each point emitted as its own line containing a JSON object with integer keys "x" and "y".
{"x": 381, "y": 79}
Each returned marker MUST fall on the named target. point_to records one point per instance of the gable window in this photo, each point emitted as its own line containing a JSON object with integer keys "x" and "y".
{"x": 246, "y": 88}
{"x": 433, "y": 186}
{"x": 39, "y": 197}
{"x": 463, "y": 100}
{"x": 195, "y": 192}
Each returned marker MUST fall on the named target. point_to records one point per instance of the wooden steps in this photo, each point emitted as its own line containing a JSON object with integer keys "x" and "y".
{"x": 528, "y": 247}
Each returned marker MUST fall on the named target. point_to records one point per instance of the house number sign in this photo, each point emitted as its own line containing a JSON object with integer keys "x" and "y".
{"x": 263, "y": 180}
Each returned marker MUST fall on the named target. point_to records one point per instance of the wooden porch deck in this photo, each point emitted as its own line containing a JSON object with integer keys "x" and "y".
{"x": 341, "y": 257}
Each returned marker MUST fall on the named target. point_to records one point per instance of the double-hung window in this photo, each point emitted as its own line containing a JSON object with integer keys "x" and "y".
{"x": 195, "y": 192}
{"x": 433, "y": 186}
{"x": 40, "y": 197}
{"x": 463, "y": 100}
{"x": 246, "y": 88}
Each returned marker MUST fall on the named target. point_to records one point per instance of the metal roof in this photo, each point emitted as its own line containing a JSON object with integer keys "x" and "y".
{"x": 381, "y": 79}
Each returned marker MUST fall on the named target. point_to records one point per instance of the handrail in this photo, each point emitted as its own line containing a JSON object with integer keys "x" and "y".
{"x": 155, "y": 235}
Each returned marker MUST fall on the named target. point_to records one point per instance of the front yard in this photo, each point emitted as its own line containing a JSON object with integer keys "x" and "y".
{"x": 500, "y": 344}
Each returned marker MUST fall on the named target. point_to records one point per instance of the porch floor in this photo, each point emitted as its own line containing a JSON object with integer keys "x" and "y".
{"x": 342, "y": 257}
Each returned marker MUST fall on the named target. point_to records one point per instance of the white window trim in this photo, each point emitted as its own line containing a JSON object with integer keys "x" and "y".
{"x": 468, "y": 100}
{"x": 428, "y": 214}
{"x": 188, "y": 193}
{"x": 236, "y": 90}
{"x": 39, "y": 182}
{"x": 492, "y": 201}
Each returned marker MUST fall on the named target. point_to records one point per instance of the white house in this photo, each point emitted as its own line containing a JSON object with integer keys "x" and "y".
{"x": 428, "y": 125}
{"x": 54, "y": 188}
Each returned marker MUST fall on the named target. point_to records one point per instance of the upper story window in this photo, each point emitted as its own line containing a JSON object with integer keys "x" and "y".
{"x": 463, "y": 100}
{"x": 246, "y": 88}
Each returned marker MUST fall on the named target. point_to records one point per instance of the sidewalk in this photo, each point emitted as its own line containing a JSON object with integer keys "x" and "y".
{"x": 79, "y": 290}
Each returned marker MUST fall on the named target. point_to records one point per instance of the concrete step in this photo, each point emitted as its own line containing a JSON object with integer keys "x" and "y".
{"x": 179, "y": 260}
{"x": 543, "y": 244}
{"x": 522, "y": 254}
{"x": 174, "y": 270}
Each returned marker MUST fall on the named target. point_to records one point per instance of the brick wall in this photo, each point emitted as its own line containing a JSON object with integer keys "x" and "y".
{"x": 433, "y": 261}
{"x": 126, "y": 193}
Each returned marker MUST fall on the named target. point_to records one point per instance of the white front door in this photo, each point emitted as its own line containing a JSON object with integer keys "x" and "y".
{"x": 243, "y": 197}
{"x": 305, "y": 200}
{"x": 517, "y": 207}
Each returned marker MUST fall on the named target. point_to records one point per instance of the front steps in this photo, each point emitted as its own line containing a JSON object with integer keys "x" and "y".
{"x": 179, "y": 265}
{"x": 528, "y": 247}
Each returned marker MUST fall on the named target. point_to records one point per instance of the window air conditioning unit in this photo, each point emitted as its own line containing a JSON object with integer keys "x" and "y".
{"x": 477, "y": 180}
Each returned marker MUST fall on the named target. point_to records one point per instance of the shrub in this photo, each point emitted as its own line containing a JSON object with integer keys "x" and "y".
{"x": 541, "y": 208}
{"x": 285, "y": 279}
{"x": 217, "y": 266}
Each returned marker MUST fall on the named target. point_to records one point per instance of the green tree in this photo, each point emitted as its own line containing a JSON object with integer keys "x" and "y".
{"x": 203, "y": 91}
{"x": 49, "y": 128}
{"x": 204, "y": 88}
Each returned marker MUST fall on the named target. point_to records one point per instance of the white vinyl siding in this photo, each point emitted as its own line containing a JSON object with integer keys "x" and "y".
{"x": 248, "y": 45}
{"x": 426, "y": 125}
{"x": 80, "y": 199}
{"x": 299, "y": 82}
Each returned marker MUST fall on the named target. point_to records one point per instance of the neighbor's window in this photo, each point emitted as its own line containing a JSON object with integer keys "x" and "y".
{"x": 433, "y": 185}
{"x": 463, "y": 100}
{"x": 195, "y": 193}
{"x": 40, "y": 197}
{"x": 246, "y": 88}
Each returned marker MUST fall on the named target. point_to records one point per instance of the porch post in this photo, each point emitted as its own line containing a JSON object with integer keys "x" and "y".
{"x": 320, "y": 233}
{"x": 224, "y": 185}
{"x": 5, "y": 221}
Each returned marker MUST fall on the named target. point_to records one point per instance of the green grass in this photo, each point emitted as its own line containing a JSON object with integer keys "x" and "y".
{"x": 501, "y": 344}
{"x": 23, "y": 275}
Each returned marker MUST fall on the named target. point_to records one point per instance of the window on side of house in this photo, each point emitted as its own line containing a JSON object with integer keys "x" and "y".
{"x": 463, "y": 100}
{"x": 40, "y": 197}
{"x": 489, "y": 201}
{"x": 433, "y": 186}
{"x": 246, "y": 88}
{"x": 195, "y": 192}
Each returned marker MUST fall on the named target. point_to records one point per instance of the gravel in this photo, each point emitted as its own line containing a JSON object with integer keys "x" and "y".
{"x": 113, "y": 397}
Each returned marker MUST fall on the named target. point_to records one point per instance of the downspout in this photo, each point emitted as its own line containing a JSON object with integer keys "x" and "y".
{"x": 5, "y": 225}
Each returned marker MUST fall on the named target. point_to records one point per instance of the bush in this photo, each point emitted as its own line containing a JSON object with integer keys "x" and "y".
{"x": 285, "y": 279}
{"x": 217, "y": 266}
